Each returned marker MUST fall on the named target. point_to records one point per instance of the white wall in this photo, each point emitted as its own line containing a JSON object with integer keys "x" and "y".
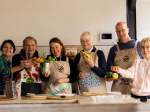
{"x": 143, "y": 19}
{"x": 66, "y": 19}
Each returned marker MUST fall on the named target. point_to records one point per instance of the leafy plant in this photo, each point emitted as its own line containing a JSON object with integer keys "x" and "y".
{"x": 42, "y": 65}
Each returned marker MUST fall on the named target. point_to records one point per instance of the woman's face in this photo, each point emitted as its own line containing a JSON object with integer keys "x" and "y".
{"x": 7, "y": 50}
{"x": 86, "y": 42}
{"x": 56, "y": 49}
{"x": 145, "y": 49}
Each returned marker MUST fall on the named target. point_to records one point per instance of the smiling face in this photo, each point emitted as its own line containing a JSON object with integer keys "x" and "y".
{"x": 145, "y": 49}
{"x": 55, "y": 49}
{"x": 7, "y": 50}
{"x": 122, "y": 32}
{"x": 86, "y": 42}
{"x": 30, "y": 47}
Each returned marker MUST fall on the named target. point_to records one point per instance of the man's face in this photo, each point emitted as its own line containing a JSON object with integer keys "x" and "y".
{"x": 30, "y": 47}
{"x": 122, "y": 32}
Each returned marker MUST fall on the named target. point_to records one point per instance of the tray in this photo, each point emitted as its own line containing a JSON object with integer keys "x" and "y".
{"x": 88, "y": 94}
{"x": 61, "y": 98}
{"x": 5, "y": 99}
{"x": 38, "y": 96}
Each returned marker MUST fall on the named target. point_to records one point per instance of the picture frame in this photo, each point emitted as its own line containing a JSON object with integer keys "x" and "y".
{"x": 107, "y": 37}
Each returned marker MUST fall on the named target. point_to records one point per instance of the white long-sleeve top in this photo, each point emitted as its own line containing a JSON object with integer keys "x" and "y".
{"x": 140, "y": 72}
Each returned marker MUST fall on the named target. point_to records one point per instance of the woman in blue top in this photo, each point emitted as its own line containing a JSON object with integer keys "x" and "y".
{"x": 7, "y": 49}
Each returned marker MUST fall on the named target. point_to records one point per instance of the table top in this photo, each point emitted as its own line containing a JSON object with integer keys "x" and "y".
{"x": 84, "y": 104}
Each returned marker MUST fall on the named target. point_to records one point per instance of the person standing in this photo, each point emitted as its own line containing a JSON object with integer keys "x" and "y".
{"x": 90, "y": 72}
{"x": 123, "y": 55}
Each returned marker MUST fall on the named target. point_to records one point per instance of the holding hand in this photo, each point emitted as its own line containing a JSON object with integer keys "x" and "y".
{"x": 46, "y": 74}
{"x": 24, "y": 64}
{"x": 115, "y": 68}
{"x": 89, "y": 61}
{"x": 81, "y": 75}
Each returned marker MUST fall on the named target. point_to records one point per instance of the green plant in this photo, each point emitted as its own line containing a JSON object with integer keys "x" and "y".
{"x": 42, "y": 65}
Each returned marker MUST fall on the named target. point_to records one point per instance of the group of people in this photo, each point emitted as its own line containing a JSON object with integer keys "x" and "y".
{"x": 130, "y": 55}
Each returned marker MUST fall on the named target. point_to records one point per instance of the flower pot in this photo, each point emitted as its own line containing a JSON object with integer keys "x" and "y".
{"x": 46, "y": 67}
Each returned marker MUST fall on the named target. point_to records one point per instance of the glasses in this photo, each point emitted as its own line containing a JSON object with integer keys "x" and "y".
{"x": 145, "y": 47}
{"x": 85, "y": 41}
{"x": 118, "y": 31}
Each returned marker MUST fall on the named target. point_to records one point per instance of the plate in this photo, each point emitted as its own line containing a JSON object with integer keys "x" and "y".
{"x": 112, "y": 78}
{"x": 91, "y": 94}
{"x": 61, "y": 98}
{"x": 65, "y": 94}
{"x": 39, "y": 60}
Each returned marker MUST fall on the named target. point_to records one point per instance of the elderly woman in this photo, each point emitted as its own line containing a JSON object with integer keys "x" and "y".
{"x": 91, "y": 72}
{"x": 61, "y": 72}
{"x": 7, "y": 49}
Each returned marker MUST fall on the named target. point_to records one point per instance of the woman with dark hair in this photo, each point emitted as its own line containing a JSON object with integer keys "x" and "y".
{"x": 61, "y": 72}
{"x": 7, "y": 49}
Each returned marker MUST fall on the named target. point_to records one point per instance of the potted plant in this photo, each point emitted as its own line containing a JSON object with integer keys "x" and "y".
{"x": 44, "y": 66}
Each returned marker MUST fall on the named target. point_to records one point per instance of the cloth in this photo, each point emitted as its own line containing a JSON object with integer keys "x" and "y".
{"x": 124, "y": 59}
{"x": 72, "y": 77}
{"x": 142, "y": 98}
{"x": 17, "y": 58}
{"x": 100, "y": 70}
{"x": 29, "y": 81}
{"x": 122, "y": 46}
{"x": 92, "y": 82}
{"x": 140, "y": 72}
{"x": 5, "y": 73}
{"x": 58, "y": 69}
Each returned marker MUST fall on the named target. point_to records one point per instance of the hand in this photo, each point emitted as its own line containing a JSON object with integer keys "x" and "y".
{"x": 60, "y": 81}
{"x": 33, "y": 62}
{"x": 81, "y": 75}
{"x": 89, "y": 61}
{"x": 115, "y": 68}
{"x": 24, "y": 64}
{"x": 46, "y": 74}
{"x": 108, "y": 79}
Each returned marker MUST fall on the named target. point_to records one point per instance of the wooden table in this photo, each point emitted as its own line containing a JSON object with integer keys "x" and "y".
{"x": 85, "y": 104}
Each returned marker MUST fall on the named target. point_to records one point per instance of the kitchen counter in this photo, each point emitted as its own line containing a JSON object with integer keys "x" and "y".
{"x": 84, "y": 104}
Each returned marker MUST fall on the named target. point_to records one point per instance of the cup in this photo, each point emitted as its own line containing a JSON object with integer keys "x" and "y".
{"x": 30, "y": 64}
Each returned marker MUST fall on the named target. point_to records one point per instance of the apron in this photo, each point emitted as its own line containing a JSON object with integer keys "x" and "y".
{"x": 124, "y": 59}
{"x": 28, "y": 81}
{"x": 92, "y": 82}
{"x": 58, "y": 69}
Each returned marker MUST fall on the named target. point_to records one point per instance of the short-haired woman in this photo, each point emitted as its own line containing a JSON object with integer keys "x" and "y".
{"x": 7, "y": 49}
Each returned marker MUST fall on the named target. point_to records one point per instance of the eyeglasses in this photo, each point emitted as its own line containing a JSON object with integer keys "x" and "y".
{"x": 85, "y": 41}
{"x": 118, "y": 31}
{"x": 145, "y": 47}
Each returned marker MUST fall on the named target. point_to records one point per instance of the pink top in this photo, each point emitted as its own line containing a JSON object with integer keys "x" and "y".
{"x": 140, "y": 72}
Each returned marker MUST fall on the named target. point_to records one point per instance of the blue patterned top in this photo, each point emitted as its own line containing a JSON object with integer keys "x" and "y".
{"x": 5, "y": 71}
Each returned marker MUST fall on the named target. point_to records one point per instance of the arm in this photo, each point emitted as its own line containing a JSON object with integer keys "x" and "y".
{"x": 16, "y": 62}
{"x": 76, "y": 61}
{"x": 127, "y": 73}
{"x": 101, "y": 70}
{"x": 110, "y": 59}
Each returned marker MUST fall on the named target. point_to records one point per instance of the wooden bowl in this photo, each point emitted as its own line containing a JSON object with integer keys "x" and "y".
{"x": 38, "y": 60}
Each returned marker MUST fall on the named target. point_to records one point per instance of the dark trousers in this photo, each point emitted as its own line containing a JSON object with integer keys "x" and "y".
{"x": 142, "y": 98}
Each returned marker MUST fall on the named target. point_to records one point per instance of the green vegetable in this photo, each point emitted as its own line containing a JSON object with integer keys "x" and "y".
{"x": 115, "y": 75}
{"x": 109, "y": 74}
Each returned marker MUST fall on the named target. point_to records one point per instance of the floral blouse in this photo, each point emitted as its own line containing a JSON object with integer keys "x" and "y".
{"x": 5, "y": 70}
